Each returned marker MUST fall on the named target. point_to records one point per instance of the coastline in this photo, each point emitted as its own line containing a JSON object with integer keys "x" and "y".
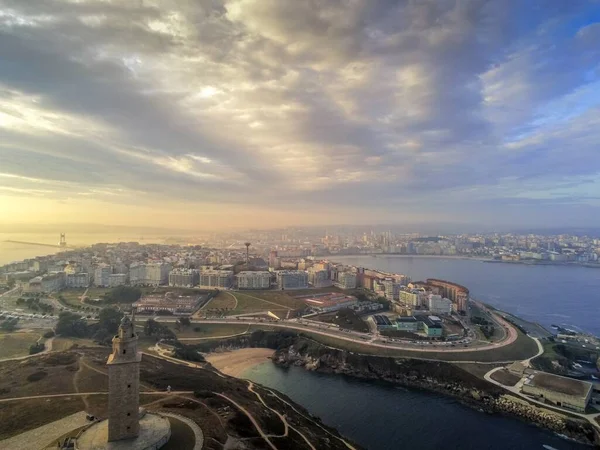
{"x": 235, "y": 362}
{"x": 402, "y": 255}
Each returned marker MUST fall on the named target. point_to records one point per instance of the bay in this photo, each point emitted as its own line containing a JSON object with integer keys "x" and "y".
{"x": 562, "y": 295}
{"x": 381, "y": 416}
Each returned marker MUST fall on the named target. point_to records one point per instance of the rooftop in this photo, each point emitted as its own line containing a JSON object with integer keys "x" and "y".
{"x": 559, "y": 384}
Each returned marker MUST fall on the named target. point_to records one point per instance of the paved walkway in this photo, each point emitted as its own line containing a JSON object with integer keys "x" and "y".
{"x": 198, "y": 434}
{"x": 42, "y": 436}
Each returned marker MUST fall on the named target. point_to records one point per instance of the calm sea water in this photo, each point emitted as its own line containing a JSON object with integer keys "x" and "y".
{"x": 568, "y": 295}
{"x": 379, "y": 416}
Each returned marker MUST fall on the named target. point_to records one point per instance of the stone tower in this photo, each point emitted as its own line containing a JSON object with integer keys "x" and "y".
{"x": 124, "y": 384}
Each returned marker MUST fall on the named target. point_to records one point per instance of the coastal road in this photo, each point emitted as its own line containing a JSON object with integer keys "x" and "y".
{"x": 356, "y": 337}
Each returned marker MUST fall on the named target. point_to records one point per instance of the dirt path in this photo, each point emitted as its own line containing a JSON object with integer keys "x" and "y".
{"x": 252, "y": 419}
{"x": 286, "y": 425}
{"x": 311, "y": 420}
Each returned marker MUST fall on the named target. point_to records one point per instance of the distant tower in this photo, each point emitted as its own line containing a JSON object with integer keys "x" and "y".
{"x": 63, "y": 240}
{"x": 123, "y": 384}
{"x": 247, "y": 244}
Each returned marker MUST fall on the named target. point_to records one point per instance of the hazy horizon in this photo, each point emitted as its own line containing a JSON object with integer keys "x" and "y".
{"x": 232, "y": 114}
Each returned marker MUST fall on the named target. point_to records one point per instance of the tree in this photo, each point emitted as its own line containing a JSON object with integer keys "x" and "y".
{"x": 110, "y": 319}
{"x": 11, "y": 282}
{"x": 9, "y": 325}
{"x": 185, "y": 321}
{"x": 70, "y": 324}
{"x": 36, "y": 348}
{"x": 151, "y": 327}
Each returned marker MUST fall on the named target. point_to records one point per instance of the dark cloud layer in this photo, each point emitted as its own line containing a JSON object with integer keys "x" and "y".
{"x": 435, "y": 107}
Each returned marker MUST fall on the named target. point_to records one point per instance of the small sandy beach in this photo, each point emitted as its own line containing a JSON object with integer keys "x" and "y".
{"x": 235, "y": 362}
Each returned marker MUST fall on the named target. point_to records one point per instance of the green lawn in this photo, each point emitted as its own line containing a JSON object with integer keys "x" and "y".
{"x": 16, "y": 344}
{"x": 71, "y": 297}
{"x": 278, "y": 303}
{"x": 223, "y": 300}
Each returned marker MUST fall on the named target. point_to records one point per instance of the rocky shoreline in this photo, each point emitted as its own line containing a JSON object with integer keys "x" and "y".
{"x": 435, "y": 376}
{"x": 430, "y": 376}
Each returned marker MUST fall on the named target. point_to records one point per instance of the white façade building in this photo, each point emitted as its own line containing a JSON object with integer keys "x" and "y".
{"x": 292, "y": 279}
{"x": 101, "y": 275}
{"x": 216, "y": 279}
{"x": 184, "y": 277}
{"x": 253, "y": 280}
{"x": 117, "y": 279}
{"x": 77, "y": 280}
{"x": 439, "y": 305}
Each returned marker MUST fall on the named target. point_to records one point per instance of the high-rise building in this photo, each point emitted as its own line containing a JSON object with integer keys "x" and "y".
{"x": 184, "y": 277}
{"x": 439, "y": 305}
{"x": 157, "y": 273}
{"x": 254, "y": 280}
{"x": 77, "y": 280}
{"x": 392, "y": 289}
{"x": 101, "y": 275}
{"x": 137, "y": 274}
{"x": 215, "y": 279}
{"x": 117, "y": 279}
{"x": 319, "y": 278}
{"x": 346, "y": 280}
{"x": 292, "y": 279}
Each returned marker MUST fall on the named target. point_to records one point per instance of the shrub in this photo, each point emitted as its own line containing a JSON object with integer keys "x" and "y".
{"x": 37, "y": 376}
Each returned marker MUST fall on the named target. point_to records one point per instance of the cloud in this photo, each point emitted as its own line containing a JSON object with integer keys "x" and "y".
{"x": 334, "y": 106}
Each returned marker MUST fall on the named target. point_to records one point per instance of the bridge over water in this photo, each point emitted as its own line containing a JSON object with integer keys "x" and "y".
{"x": 37, "y": 244}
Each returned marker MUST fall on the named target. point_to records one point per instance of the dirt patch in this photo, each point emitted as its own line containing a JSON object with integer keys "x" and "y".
{"x": 505, "y": 377}
{"x": 18, "y": 417}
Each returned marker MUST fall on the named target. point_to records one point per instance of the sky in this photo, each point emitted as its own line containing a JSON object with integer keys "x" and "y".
{"x": 209, "y": 114}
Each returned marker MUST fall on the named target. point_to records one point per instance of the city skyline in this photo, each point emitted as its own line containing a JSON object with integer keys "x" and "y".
{"x": 240, "y": 113}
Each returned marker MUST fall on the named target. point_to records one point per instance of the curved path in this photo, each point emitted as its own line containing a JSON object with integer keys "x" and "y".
{"x": 355, "y": 337}
{"x": 47, "y": 349}
{"x": 286, "y": 425}
{"x": 252, "y": 419}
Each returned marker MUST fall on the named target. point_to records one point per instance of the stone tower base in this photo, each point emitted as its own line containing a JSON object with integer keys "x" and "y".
{"x": 155, "y": 431}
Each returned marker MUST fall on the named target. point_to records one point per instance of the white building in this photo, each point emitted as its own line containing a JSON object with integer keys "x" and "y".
{"x": 151, "y": 274}
{"x": 101, "y": 275}
{"x": 184, "y": 277}
{"x": 253, "y": 280}
{"x": 215, "y": 279}
{"x": 346, "y": 280}
{"x": 117, "y": 279}
{"x": 77, "y": 280}
{"x": 157, "y": 273}
{"x": 439, "y": 305}
{"x": 292, "y": 279}
{"x": 319, "y": 278}
{"x": 137, "y": 274}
